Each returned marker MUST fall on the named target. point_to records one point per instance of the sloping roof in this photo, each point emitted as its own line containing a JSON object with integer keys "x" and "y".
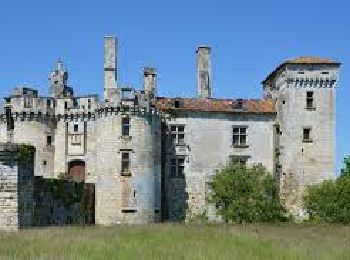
{"x": 311, "y": 60}
{"x": 303, "y": 60}
{"x": 217, "y": 105}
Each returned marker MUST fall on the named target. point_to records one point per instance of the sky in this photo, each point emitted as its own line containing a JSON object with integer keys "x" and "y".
{"x": 248, "y": 38}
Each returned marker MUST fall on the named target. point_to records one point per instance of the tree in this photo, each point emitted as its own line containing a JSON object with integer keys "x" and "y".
{"x": 329, "y": 201}
{"x": 246, "y": 194}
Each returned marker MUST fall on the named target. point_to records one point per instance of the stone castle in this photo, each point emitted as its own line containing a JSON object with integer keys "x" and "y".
{"x": 151, "y": 158}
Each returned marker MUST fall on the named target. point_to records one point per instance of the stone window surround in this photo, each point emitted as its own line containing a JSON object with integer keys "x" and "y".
{"x": 177, "y": 167}
{"x": 125, "y": 163}
{"x": 307, "y": 134}
{"x": 241, "y": 142}
{"x": 241, "y": 159}
{"x": 177, "y": 132}
{"x": 125, "y": 125}
{"x": 310, "y": 104}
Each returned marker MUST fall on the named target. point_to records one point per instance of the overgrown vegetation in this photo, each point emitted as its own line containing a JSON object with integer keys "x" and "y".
{"x": 329, "y": 201}
{"x": 175, "y": 241}
{"x": 25, "y": 153}
{"x": 246, "y": 194}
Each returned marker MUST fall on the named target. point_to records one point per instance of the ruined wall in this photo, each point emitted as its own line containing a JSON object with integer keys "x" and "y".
{"x": 62, "y": 202}
{"x": 208, "y": 147}
{"x": 16, "y": 187}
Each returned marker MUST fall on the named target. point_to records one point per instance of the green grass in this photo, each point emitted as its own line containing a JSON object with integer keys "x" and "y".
{"x": 176, "y": 241}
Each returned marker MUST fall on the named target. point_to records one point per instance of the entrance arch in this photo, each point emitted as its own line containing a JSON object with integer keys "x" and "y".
{"x": 76, "y": 170}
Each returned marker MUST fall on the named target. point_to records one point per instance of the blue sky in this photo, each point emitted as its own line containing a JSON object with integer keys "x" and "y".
{"x": 248, "y": 39}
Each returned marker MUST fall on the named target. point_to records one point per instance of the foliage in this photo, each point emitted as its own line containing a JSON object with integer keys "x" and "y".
{"x": 69, "y": 192}
{"x": 246, "y": 194}
{"x": 25, "y": 153}
{"x": 329, "y": 201}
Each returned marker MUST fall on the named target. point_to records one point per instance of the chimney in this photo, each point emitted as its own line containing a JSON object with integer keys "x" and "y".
{"x": 149, "y": 81}
{"x": 110, "y": 66}
{"x": 204, "y": 71}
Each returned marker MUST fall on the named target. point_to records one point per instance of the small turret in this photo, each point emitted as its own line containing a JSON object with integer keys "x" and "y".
{"x": 58, "y": 82}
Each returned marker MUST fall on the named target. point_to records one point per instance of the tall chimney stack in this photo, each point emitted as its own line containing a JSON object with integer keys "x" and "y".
{"x": 110, "y": 67}
{"x": 204, "y": 71}
{"x": 149, "y": 81}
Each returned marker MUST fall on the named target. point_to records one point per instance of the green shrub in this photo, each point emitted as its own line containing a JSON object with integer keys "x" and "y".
{"x": 329, "y": 201}
{"x": 246, "y": 194}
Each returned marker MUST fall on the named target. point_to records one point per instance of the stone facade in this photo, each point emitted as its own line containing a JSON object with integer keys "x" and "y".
{"x": 27, "y": 200}
{"x": 151, "y": 158}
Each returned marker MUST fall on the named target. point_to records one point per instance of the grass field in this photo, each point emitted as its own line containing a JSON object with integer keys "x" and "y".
{"x": 176, "y": 241}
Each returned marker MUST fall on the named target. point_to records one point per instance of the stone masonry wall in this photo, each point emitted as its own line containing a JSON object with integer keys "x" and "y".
{"x": 16, "y": 189}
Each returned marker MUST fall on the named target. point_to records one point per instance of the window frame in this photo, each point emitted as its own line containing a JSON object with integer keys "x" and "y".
{"x": 240, "y": 134}
{"x": 125, "y": 169}
{"x": 177, "y": 167}
{"x": 240, "y": 159}
{"x": 309, "y": 139}
{"x": 310, "y": 100}
{"x": 125, "y": 133}
{"x": 175, "y": 134}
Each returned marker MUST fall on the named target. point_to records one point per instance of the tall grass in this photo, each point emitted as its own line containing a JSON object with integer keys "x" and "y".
{"x": 176, "y": 241}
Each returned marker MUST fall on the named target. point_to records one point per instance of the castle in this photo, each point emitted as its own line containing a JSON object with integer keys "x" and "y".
{"x": 151, "y": 158}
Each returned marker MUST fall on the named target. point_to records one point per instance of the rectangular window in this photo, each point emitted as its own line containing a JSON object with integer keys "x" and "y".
{"x": 89, "y": 103}
{"x": 125, "y": 126}
{"x": 48, "y": 102}
{"x": 177, "y": 168}
{"x": 125, "y": 164}
{"x": 181, "y": 168}
{"x": 76, "y": 139}
{"x": 178, "y": 134}
{"x": 76, "y": 128}
{"x": 173, "y": 168}
{"x": 239, "y": 137}
{"x": 49, "y": 140}
{"x": 307, "y": 135}
{"x": 241, "y": 159}
{"x": 27, "y": 102}
{"x": 309, "y": 99}
{"x": 65, "y": 105}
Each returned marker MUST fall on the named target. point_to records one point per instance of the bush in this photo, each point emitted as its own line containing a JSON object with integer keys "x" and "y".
{"x": 329, "y": 201}
{"x": 246, "y": 194}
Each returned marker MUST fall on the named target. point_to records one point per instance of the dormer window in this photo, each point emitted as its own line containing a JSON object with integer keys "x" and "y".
{"x": 238, "y": 104}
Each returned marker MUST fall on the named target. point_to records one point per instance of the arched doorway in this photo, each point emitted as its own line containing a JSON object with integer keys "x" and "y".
{"x": 76, "y": 170}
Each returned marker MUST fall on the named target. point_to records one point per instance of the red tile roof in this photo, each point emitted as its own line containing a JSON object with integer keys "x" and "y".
{"x": 217, "y": 105}
{"x": 310, "y": 60}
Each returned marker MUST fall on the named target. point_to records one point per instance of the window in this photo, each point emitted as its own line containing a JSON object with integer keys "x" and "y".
{"x": 177, "y": 168}
{"x": 44, "y": 162}
{"x": 76, "y": 128}
{"x": 177, "y": 134}
{"x": 89, "y": 103}
{"x": 241, "y": 159}
{"x": 76, "y": 140}
{"x": 309, "y": 99}
{"x": 27, "y": 102}
{"x": 65, "y": 105}
{"x": 177, "y": 104}
{"x": 307, "y": 134}
{"x": 49, "y": 140}
{"x": 238, "y": 104}
{"x": 126, "y": 164}
{"x": 125, "y": 126}
{"x": 240, "y": 136}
